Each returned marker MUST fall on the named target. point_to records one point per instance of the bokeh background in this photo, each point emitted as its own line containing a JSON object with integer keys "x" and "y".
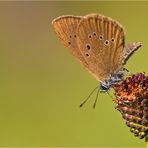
{"x": 42, "y": 85}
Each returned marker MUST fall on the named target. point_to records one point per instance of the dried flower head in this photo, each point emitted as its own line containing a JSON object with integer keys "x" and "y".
{"x": 132, "y": 102}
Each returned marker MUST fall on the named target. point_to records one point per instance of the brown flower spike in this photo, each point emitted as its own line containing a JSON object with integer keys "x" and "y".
{"x": 132, "y": 102}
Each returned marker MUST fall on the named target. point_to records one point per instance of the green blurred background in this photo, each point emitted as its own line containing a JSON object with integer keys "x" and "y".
{"x": 42, "y": 85}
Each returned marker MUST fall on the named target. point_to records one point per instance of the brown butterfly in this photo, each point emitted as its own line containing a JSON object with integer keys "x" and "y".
{"x": 97, "y": 42}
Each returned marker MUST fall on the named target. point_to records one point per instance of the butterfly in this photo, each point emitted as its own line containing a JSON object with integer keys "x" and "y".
{"x": 98, "y": 43}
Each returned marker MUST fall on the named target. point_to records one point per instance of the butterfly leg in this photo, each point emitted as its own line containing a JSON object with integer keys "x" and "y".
{"x": 128, "y": 73}
{"x": 124, "y": 69}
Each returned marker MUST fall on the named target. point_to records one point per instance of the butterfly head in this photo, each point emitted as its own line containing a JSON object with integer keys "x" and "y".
{"x": 105, "y": 85}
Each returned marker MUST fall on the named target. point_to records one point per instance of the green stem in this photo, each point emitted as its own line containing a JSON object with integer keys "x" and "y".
{"x": 146, "y": 141}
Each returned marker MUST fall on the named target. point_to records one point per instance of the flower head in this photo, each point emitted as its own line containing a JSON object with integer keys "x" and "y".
{"x": 132, "y": 102}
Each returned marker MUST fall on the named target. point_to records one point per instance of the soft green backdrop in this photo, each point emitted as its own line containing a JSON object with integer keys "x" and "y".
{"x": 42, "y": 85}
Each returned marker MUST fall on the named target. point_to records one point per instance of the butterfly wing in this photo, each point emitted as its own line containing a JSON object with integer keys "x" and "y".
{"x": 129, "y": 50}
{"x": 65, "y": 28}
{"x": 101, "y": 41}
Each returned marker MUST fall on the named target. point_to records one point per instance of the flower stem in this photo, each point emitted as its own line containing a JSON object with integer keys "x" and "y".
{"x": 146, "y": 141}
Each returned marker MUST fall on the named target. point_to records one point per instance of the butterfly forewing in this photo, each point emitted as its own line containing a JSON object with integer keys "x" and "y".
{"x": 100, "y": 40}
{"x": 118, "y": 47}
{"x": 65, "y": 28}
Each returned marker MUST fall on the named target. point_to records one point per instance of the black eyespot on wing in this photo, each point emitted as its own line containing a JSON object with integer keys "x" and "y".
{"x": 94, "y": 34}
{"x": 87, "y": 54}
{"x": 88, "y": 47}
{"x": 106, "y": 42}
{"x": 112, "y": 39}
{"x": 100, "y": 37}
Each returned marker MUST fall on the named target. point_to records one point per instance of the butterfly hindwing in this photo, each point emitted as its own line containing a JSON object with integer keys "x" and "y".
{"x": 129, "y": 50}
{"x": 101, "y": 41}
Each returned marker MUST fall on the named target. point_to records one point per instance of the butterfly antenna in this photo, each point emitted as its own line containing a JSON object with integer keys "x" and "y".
{"x": 110, "y": 95}
{"x": 94, "y": 105}
{"x": 88, "y": 97}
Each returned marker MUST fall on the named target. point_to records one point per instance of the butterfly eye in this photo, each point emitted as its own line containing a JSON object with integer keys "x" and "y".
{"x": 70, "y": 36}
{"x": 69, "y": 43}
{"x": 75, "y": 36}
{"x": 101, "y": 37}
{"x": 88, "y": 47}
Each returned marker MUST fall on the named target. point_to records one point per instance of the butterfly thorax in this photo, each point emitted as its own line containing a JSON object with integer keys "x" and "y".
{"x": 114, "y": 78}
